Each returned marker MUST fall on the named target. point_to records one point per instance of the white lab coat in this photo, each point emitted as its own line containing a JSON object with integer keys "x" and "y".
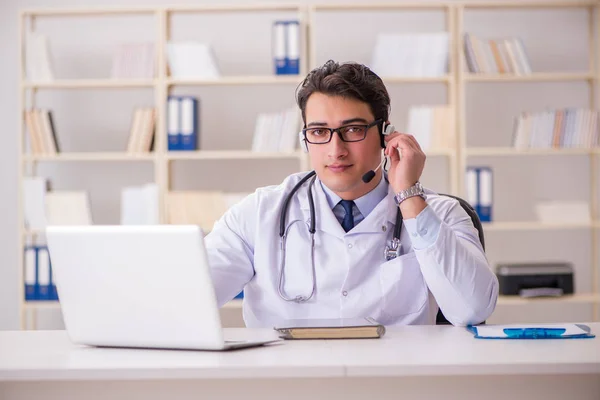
{"x": 352, "y": 277}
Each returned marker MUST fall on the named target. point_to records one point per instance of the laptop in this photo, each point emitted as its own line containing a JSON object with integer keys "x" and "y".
{"x": 146, "y": 286}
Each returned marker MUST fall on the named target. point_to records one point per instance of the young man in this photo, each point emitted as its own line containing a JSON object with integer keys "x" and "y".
{"x": 326, "y": 250}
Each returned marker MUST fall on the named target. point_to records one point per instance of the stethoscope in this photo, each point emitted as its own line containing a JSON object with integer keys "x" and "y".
{"x": 391, "y": 251}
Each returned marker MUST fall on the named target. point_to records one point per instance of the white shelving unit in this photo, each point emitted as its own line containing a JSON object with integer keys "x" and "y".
{"x": 455, "y": 82}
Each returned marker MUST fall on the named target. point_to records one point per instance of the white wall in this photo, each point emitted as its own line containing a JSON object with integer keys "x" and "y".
{"x": 81, "y": 48}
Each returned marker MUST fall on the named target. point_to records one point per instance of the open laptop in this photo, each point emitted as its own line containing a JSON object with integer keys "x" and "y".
{"x": 146, "y": 286}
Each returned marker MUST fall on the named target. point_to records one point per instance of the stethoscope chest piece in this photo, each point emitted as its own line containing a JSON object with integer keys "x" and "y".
{"x": 393, "y": 250}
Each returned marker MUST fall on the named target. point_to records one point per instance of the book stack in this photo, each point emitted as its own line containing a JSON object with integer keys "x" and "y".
{"x": 286, "y": 47}
{"x": 202, "y": 208}
{"x": 433, "y": 127}
{"x": 42, "y": 134}
{"x": 496, "y": 56}
{"x": 141, "y": 135}
{"x": 192, "y": 60}
{"x": 133, "y": 61}
{"x": 561, "y": 128}
{"x": 38, "y": 64}
{"x": 277, "y": 132}
{"x": 411, "y": 55}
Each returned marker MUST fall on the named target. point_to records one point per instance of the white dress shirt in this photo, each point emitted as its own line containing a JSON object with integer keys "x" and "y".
{"x": 442, "y": 263}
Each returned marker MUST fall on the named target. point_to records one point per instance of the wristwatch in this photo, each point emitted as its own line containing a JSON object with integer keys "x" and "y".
{"x": 415, "y": 190}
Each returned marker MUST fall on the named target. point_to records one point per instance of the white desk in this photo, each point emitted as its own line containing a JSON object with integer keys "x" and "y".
{"x": 415, "y": 362}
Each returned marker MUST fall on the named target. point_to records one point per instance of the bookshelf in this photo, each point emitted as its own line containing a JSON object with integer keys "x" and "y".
{"x": 450, "y": 14}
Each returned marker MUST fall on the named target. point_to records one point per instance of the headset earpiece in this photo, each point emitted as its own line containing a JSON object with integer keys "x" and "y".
{"x": 387, "y": 130}
{"x": 302, "y": 141}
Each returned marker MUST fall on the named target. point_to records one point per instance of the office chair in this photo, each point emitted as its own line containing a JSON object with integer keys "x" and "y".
{"x": 440, "y": 319}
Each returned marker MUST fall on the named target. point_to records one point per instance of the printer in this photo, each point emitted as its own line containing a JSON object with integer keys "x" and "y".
{"x": 535, "y": 279}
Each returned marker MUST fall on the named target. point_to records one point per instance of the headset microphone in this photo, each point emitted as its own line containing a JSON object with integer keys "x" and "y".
{"x": 368, "y": 177}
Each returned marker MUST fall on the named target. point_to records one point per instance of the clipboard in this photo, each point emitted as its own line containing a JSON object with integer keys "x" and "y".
{"x": 532, "y": 331}
{"x": 343, "y": 328}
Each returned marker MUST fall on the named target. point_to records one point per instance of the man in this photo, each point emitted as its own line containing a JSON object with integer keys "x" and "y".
{"x": 341, "y": 271}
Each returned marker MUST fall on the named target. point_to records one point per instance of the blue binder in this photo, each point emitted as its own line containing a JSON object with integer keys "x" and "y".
{"x": 279, "y": 45}
{"x": 189, "y": 123}
{"x": 39, "y": 284}
{"x": 480, "y": 191}
{"x": 286, "y": 47}
{"x": 30, "y": 273}
{"x": 173, "y": 123}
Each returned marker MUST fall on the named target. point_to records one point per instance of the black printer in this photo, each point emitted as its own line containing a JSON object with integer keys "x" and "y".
{"x": 535, "y": 279}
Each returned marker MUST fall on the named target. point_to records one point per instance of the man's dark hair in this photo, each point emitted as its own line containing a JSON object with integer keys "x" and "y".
{"x": 350, "y": 80}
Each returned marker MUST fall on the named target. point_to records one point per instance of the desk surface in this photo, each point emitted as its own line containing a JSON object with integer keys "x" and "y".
{"x": 403, "y": 351}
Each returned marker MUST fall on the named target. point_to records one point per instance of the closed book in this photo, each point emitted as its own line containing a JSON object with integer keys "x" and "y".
{"x": 344, "y": 328}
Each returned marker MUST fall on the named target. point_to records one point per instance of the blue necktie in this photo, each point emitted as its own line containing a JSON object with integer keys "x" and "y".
{"x": 348, "y": 222}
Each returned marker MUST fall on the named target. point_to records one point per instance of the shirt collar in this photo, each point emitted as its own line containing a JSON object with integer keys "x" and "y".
{"x": 367, "y": 202}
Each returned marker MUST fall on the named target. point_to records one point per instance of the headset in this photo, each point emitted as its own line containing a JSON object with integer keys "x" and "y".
{"x": 388, "y": 130}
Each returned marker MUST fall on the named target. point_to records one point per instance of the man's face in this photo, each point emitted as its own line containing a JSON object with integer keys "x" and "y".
{"x": 340, "y": 165}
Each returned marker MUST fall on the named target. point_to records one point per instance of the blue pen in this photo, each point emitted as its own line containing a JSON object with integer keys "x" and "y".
{"x": 534, "y": 333}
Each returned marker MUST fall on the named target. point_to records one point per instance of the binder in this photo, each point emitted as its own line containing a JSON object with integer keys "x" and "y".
{"x": 485, "y": 194}
{"x": 279, "y": 45}
{"x": 471, "y": 186}
{"x": 39, "y": 284}
{"x": 43, "y": 274}
{"x": 189, "y": 123}
{"x": 52, "y": 292}
{"x": 344, "y": 328}
{"x": 292, "y": 57}
{"x": 532, "y": 331}
{"x": 479, "y": 185}
{"x": 30, "y": 272}
{"x": 286, "y": 47}
{"x": 173, "y": 124}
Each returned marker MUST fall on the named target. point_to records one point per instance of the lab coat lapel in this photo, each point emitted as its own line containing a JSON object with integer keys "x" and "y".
{"x": 325, "y": 219}
{"x": 384, "y": 214}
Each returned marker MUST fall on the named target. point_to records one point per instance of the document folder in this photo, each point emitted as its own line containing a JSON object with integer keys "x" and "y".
{"x": 344, "y": 328}
{"x": 534, "y": 331}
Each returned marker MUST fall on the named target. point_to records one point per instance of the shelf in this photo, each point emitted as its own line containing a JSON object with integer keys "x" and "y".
{"x": 528, "y": 4}
{"x": 230, "y": 155}
{"x": 91, "y": 84}
{"x": 535, "y": 77}
{"x": 234, "y": 7}
{"x": 62, "y": 12}
{"x": 90, "y": 156}
{"x": 576, "y": 298}
{"x": 416, "y": 79}
{"x": 42, "y": 305}
{"x": 510, "y": 151}
{"x": 533, "y": 226}
{"x": 380, "y": 6}
{"x": 238, "y": 80}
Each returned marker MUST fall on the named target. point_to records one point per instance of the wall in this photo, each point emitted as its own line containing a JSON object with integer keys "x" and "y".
{"x": 555, "y": 41}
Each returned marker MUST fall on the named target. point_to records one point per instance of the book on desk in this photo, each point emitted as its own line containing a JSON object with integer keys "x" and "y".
{"x": 344, "y": 328}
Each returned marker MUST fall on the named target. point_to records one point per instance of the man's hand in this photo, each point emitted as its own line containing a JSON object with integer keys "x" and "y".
{"x": 407, "y": 159}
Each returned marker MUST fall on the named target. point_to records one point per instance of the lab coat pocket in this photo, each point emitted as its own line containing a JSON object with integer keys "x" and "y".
{"x": 403, "y": 287}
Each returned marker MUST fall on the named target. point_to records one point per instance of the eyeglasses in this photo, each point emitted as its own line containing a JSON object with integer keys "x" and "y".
{"x": 348, "y": 133}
